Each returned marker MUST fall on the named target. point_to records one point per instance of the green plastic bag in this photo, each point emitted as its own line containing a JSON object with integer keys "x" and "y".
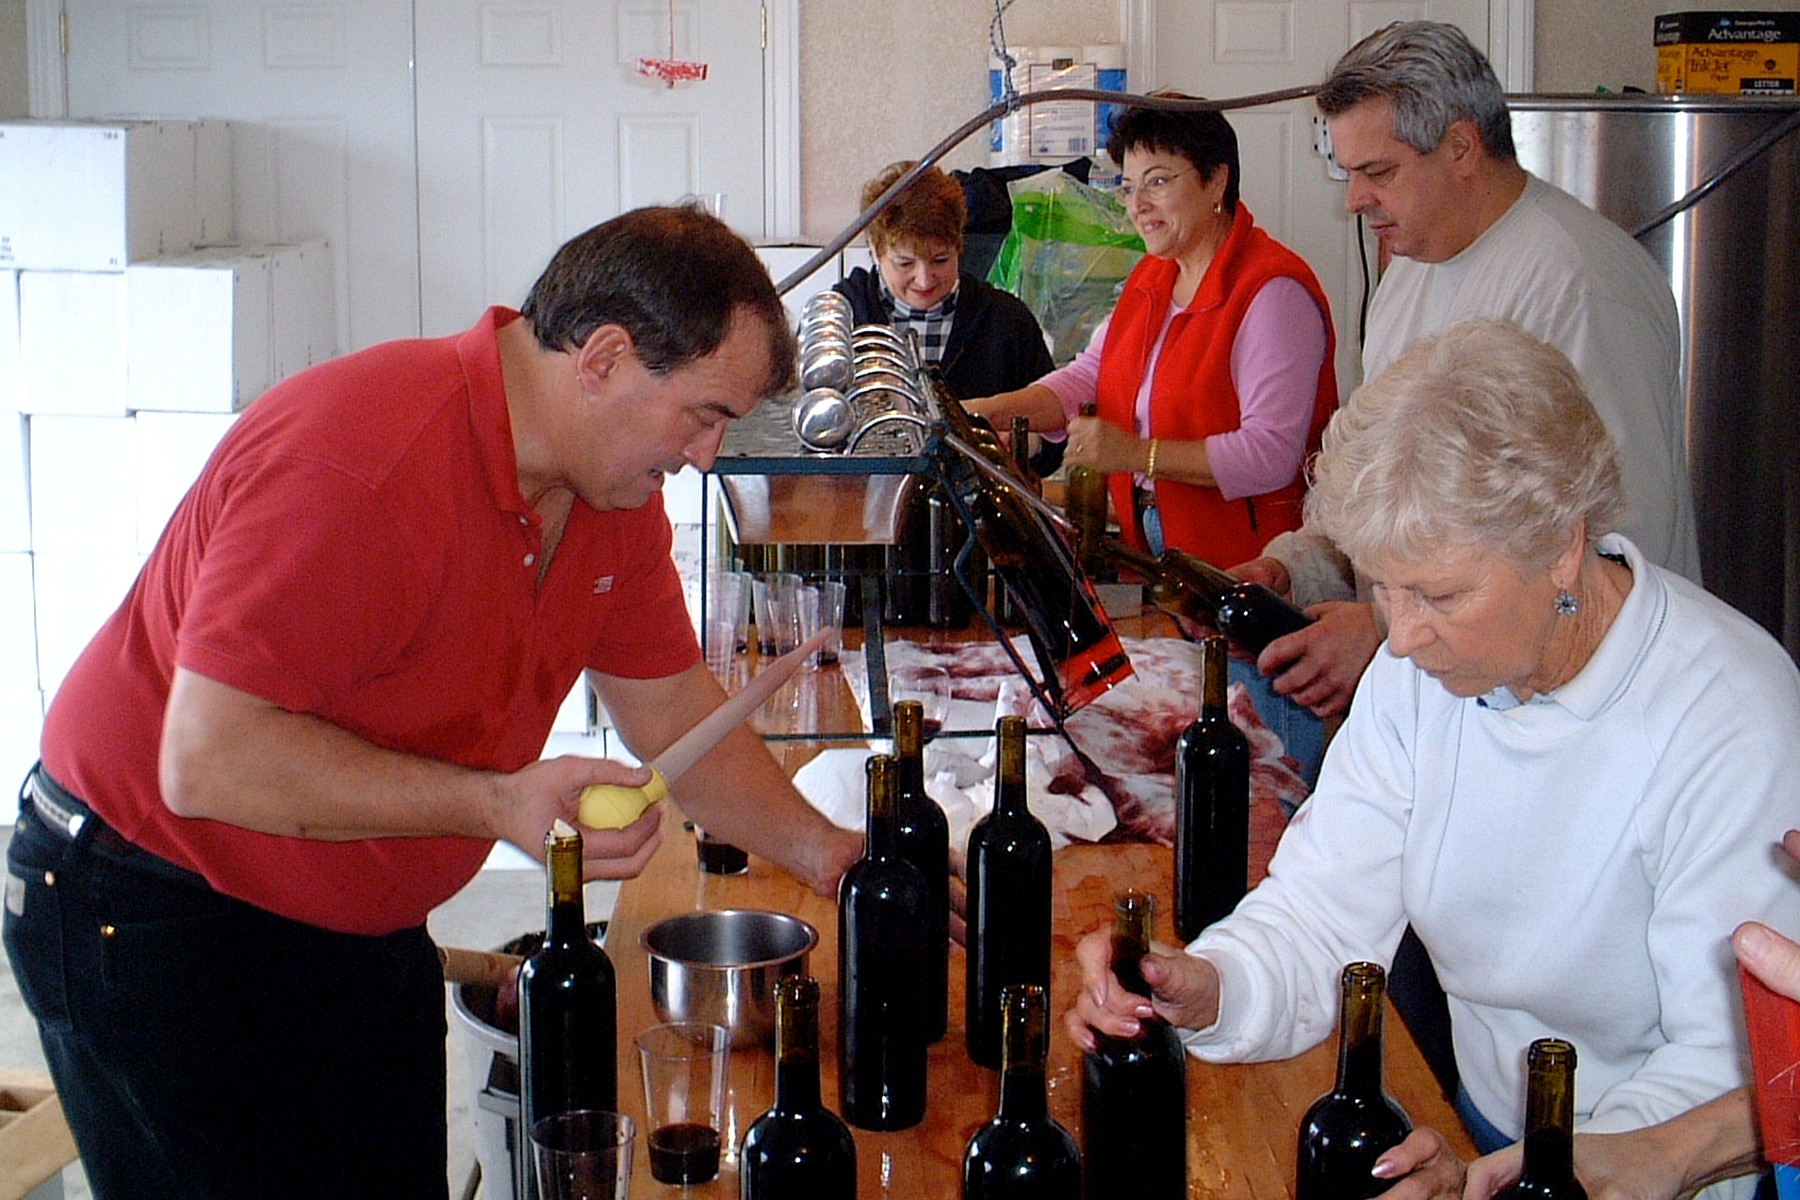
{"x": 1066, "y": 256}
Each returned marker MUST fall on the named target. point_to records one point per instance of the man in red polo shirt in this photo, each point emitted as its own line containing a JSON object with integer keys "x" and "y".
{"x": 325, "y": 698}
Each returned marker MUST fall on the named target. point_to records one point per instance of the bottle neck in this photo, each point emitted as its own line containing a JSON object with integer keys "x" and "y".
{"x": 1213, "y": 658}
{"x": 567, "y": 922}
{"x": 1009, "y": 778}
{"x": 1550, "y": 1113}
{"x": 1359, "y": 1034}
{"x": 883, "y": 832}
{"x": 797, "y": 1046}
{"x": 1134, "y": 915}
{"x": 909, "y": 748}
{"x": 1024, "y": 1050}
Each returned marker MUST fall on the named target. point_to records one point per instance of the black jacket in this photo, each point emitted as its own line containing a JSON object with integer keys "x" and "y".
{"x": 995, "y": 343}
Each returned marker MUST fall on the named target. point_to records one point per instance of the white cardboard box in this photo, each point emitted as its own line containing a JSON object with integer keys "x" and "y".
{"x": 21, "y": 729}
{"x": 83, "y": 485}
{"x": 303, "y": 307}
{"x": 76, "y": 593}
{"x": 197, "y": 330}
{"x": 94, "y": 195}
{"x": 15, "y": 486}
{"x": 171, "y": 450}
{"x": 215, "y": 163}
{"x": 9, "y": 340}
{"x": 18, "y": 617}
{"x": 72, "y": 343}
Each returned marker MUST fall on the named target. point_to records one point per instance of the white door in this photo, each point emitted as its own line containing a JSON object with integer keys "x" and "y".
{"x": 534, "y": 125}
{"x": 1228, "y": 48}
{"x": 328, "y": 88}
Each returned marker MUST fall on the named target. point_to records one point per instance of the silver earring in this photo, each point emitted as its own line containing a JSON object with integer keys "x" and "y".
{"x": 1218, "y": 207}
{"x": 1566, "y": 603}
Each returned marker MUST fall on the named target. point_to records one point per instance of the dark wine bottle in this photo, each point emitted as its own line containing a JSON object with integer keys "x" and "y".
{"x": 568, "y": 1005}
{"x": 925, "y": 843}
{"x": 881, "y": 973}
{"x": 1212, "y": 806}
{"x": 1349, "y": 1127}
{"x": 1007, "y": 610}
{"x": 947, "y": 604}
{"x": 799, "y": 1147}
{"x": 1022, "y": 1154}
{"x": 1084, "y": 503}
{"x": 1078, "y": 652}
{"x": 1134, "y": 1090}
{"x": 1248, "y": 613}
{"x": 1008, "y": 899}
{"x": 1549, "y": 1171}
{"x": 908, "y": 562}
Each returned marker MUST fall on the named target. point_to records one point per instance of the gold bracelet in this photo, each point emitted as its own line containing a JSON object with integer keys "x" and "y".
{"x": 1150, "y": 463}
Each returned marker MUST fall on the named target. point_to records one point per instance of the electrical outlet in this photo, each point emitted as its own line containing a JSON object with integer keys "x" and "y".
{"x": 1322, "y": 147}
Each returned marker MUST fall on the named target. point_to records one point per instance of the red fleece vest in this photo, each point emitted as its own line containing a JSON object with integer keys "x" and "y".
{"x": 1192, "y": 396}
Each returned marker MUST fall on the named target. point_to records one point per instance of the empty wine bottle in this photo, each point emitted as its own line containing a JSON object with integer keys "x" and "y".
{"x": 925, "y": 843}
{"x": 1022, "y": 1154}
{"x": 907, "y": 559}
{"x": 947, "y": 604}
{"x": 881, "y": 973}
{"x": 1349, "y": 1127}
{"x": 1084, "y": 503}
{"x": 568, "y": 1005}
{"x": 1008, "y": 899}
{"x": 1134, "y": 1090}
{"x": 1549, "y": 1170}
{"x": 799, "y": 1147}
{"x": 1007, "y": 610}
{"x": 1212, "y": 806}
{"x": 1078, "y": 652}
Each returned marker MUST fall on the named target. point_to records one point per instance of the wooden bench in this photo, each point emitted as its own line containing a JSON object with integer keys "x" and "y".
{"x": 35, "y": 1144}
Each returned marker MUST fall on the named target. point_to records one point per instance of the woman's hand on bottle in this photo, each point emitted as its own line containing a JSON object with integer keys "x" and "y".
{"x": 1184, "y": 992}
{"x": 1272, "y": 573}
{"x": 1423, "y": 1168}
{"x": 1103, "y": 446}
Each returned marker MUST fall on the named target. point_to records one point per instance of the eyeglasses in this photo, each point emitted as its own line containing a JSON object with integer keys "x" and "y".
{"x": 1152, "y": 187}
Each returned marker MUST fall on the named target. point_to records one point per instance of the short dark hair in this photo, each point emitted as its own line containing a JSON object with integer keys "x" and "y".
{"x": 673, "y": 278}
{"x": 1204, "y": 137}
{"x": 1433, "y": 76}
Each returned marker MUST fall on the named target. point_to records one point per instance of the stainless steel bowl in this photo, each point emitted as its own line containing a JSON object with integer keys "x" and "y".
{"x": 721, "y": 967}
{"x": 823, "y": 419}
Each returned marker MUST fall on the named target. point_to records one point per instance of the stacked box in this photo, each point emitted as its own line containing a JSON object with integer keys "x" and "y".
{"x": 1729, "y": 53}
{"x": 215, "y": 188}
{"x": 93, "y": 196}
{"x": 83, "y": 485}
{"x": 9, "y": 340}
{"x": 15, "y": 486}
{"x": 72, "y": 343}
{"x": 171, "y": 450}
{"x": 197, "y": 330}
{"x": 75, "y": 594}
{"x": 302, "y": 307}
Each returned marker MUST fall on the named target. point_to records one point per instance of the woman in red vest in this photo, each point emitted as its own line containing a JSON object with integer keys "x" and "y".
{"x": 1212, "y": 379}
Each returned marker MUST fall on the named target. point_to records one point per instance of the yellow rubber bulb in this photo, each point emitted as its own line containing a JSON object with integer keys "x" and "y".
{"x": 614, "y": 806}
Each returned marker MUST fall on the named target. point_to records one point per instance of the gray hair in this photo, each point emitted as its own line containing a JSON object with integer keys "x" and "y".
{"x": 1481, "y": 435}
{"x": 1433, "y": 76}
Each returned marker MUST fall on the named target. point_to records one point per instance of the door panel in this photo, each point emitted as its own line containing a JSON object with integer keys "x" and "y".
{"x": 533, "y": 125}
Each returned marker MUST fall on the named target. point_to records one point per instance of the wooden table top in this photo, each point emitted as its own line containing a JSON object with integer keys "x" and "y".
{"x": 1243, "y": 1120}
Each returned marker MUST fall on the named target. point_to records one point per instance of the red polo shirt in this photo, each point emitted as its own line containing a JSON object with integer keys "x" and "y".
{"x": 357, "y": 549}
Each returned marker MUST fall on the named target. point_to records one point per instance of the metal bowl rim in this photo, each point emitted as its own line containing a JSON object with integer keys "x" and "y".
{"x": 806, "y": 927}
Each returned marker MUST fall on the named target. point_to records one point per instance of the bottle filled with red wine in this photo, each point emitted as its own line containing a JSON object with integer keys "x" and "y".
{"x": 881, "y": 973}
{"x": 1134, "y": 1090}
{"x": 1349, "y": 1127}
{"x": 1212, "y": 806}
{"x": 1023, "y": 1153}
{"x": 799, "y": 1147}
{"x": 568, "y": 1004}
{"x": 1549, "y": 1170}
{"x": 1008, "y": 899}
{"x": 925, "y": 843}
{"x": 1078, "y": 651}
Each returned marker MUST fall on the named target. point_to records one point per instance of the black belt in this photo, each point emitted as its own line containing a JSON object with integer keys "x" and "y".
{"x": 68, "y": 817}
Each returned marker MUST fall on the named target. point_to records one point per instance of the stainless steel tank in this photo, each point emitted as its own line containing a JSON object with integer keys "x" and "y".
{"x": 1733, "y": 262}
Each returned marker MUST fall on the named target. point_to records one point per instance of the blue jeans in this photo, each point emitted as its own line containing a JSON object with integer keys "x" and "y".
{"x": 1302, "y": 734}
{"x": 204, "y": 1048}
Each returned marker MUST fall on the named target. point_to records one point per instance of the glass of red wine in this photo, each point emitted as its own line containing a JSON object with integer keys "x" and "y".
{"x": 683, "y": 1065}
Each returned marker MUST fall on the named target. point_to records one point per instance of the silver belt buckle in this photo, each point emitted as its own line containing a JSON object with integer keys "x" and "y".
{"x": 46, "y": 807}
